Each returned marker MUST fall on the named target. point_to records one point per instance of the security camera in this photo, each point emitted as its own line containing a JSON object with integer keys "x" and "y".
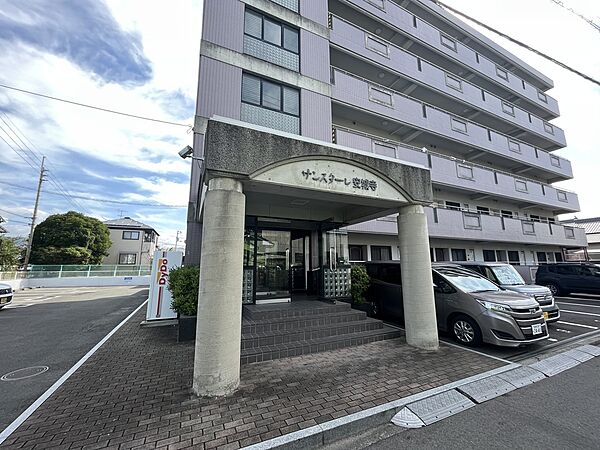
{"x": 186, "y": 152}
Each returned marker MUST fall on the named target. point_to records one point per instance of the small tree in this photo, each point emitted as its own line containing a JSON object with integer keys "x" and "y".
{"x": 183, "y": 284}
{"x": 359, "y": 283}
{"x": 11, "y": 252}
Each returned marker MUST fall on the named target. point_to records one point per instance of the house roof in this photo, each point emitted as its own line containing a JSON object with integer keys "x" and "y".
{"x": 127, "y": 223}
{"x": 591, "y": 225}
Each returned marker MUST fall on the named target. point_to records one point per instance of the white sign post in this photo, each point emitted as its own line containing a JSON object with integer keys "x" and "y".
{"x": 159, "y": 300}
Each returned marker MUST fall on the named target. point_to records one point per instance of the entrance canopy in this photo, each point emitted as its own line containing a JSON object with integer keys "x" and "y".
{"x": 288, "y": 176}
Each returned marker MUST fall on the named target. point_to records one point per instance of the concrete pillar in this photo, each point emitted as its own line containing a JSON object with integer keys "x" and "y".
{"x": 417, "y": 284}
{"x": 219, "y": 326}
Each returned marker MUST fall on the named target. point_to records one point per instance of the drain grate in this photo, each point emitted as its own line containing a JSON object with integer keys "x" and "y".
{"x": 486, "y": 389}
{"x": 522, "y": 376}
{"x": 440, "y": 406}
{"x": 555, "y": 364}
{"x": 21, "y": 374}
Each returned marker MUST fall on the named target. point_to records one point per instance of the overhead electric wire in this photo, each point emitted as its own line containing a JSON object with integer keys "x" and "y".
{"x": 515, "y": 41}
{"x": 8, "y": 222}
{"x": 84, "y": 105}
{"x": 14, "y": 214}
{"x": 18, "y": 154}
{"x": 581, "y": 16}
{"x": 101, "y": 200}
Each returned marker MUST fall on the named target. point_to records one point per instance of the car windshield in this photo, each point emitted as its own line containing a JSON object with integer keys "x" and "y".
{"x": 467, "y": 282}
{"x": 507, "y": 275}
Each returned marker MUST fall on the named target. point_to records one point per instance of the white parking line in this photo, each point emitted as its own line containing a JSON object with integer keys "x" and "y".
{"x": 578, "y": 304}
{"x": 577, "y": 325}
{"x": 553, "y": 340}
{"x": 579, "y": 312}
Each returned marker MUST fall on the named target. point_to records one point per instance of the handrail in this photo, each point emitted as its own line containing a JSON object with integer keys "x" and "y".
{"x": 441, "y": 155}
{"x": 366, "y": 80}
{"x": 514, "y": 105}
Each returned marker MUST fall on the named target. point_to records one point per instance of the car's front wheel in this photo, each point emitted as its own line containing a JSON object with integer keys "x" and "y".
{"x": 466, "y": 331}
{"x": 554, "y": 289}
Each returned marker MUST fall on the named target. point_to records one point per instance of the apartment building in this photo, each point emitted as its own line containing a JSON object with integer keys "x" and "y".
{"x": 133, "y": 242}
{"x": 405, "y": 80}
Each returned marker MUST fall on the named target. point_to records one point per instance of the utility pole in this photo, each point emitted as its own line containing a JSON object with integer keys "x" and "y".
{"x": 35, "y": 209}
{"x": 176, "y": 240}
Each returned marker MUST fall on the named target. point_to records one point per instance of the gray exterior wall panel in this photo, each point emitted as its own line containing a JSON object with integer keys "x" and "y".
{"x": 219, "y": 89}
{"x": 314, "y": 56}
{"x": 315, "y": 115}
{"x": 223, "y": 23}
{"x": 315, "y": 10}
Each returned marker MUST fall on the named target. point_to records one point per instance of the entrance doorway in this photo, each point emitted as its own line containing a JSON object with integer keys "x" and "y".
{"x": 280, "y": 263}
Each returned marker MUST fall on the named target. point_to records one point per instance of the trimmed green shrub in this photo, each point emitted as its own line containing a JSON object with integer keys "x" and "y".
{"x": 183, "y": 284}
{"x": 359, "y": 283}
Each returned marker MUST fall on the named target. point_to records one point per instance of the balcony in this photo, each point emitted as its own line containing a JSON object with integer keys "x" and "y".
{"x": 376, "y": 106}
{"x": 357, "y": 44}
{"x": 458, "y": 175}
{"x": 452, "y": 224}
{"x": 435, "y": 46}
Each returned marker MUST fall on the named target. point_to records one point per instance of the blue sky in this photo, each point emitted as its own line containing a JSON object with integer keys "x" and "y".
{"x": 142, "y": 57}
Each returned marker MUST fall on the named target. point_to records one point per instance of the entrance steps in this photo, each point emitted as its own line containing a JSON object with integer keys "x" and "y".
{"x": 299, "y": 328}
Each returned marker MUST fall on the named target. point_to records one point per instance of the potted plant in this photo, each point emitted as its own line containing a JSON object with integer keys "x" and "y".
{"x": 183, "y": 284}
{"x": 359, "y": 283}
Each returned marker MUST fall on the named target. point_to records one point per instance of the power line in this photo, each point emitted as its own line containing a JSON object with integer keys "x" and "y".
{"x": 581, "y": 16}
{"x": 531, "y": 49}
{"x": 101, "y": 200}
{"x": 14, "y": 214}
{"x": 84, "y": 105}
{"x": 8, "y": 222}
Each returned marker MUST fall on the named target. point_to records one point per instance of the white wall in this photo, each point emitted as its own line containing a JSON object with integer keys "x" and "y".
{"x": 78, "y": 282}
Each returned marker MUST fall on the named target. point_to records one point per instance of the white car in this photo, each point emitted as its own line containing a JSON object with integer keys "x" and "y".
{"x": 6, "y": 295}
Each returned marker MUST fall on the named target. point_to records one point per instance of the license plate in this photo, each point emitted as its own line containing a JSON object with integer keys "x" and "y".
{"x": 536, "y": 329}
{"x": 545, "y": 315}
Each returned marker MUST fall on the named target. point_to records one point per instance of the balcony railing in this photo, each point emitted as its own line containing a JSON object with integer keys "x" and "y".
{"x": 449, "y": 171}
{"x": 403, "y": 21}
{"x": 410, "y": 66}
{"x": 381, "y": 101}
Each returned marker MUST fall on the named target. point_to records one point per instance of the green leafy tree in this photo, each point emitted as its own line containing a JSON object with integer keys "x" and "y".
{"x": 70, "y": 238}
{"x": 359, "y": 283}
{"x": 11, "y": 252}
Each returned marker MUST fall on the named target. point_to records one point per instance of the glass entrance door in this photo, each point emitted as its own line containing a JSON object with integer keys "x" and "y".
{"x": 272, "y": 264}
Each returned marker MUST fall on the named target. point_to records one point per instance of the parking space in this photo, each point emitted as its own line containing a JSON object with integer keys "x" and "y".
{"x": 43, "y": 332}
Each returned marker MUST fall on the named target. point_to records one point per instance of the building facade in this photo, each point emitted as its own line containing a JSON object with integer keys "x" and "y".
{"x": 133, "y": 242}
{"x": 404, "y": 80}
{"x": 592, "y": 232}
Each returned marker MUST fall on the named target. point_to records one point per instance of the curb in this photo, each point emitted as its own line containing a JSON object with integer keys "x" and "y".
{"x": 334, "y": 430}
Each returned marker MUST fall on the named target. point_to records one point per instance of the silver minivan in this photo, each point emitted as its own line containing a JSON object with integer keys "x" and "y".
{"x": 468, "y": 305}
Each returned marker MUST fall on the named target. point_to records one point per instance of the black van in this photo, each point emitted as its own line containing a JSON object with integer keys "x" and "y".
{"x": 565, "y": 278}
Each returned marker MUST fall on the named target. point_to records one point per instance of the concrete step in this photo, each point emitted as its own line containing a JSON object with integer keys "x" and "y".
{"x": 310, "y": 333}
{"x": 250, "y": 326}
{"x": 298, "y": 348}
{"x": 293, "y": 309}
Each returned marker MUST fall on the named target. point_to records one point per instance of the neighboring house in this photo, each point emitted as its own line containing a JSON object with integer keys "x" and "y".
{"x": 133, "y": 242}
{"x": 592, "y": 232}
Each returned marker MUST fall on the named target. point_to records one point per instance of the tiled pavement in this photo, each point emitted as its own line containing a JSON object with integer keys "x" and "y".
{"x": 135, "y": 392}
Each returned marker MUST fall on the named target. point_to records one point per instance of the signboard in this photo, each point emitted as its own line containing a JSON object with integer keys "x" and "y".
{"x": 159, "y": 300}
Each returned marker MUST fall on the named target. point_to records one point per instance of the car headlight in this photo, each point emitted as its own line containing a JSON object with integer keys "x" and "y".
{"x": 499, "y": 307}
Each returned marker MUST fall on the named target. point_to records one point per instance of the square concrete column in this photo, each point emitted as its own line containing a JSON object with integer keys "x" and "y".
{"x": 417, "y": 283}
{"x": 219, "y": 323}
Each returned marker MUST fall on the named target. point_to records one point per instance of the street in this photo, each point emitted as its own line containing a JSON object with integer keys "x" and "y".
{"x": 556, "y": 413}
{"x": 54, "y": 328}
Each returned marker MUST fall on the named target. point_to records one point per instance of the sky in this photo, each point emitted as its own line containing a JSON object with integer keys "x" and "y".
{"x": 141, "y": 57}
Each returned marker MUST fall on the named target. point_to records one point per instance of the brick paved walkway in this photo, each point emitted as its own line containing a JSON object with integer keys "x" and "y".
{"x": 135, "y": 392}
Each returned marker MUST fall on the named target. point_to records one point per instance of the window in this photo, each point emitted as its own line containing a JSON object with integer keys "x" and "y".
{"x": 489, "y": 256}
{"x": 528, "y": 227}
{"x": 502, "y": 73}
{"x": 448, "y": 42}
{"x": 508, "y": 108}
{"x": 542, "y": 97}
{"x": 131, "y": 235}
{"x": 541, "y": 257}
{"x": 548, "y": 128}
{"x": 569, "y": 233}
{"x": 483, "y": 210}
{"x": 356, "y": 253}
{"x": 441, "y": 254}
{"x": 562, "y": 196}
{"x": 272, "y": 31}
{"x": 459, "y": 254}
{"x": 453, "y": 82}
{"x": 521, "y": 185}
{"x": 458, "y": 125}
{"x": 452, "y": 205}
{"x": 501, "y": 256}
{"x": 378, "y": 46}
{"x": 270, "y": 95}
{"x": 127, "y": 258}
{"x": 558, "y": 256}
{"x": 535, "y": 218}
{"x": 381, "y": 96}
{"x": 513, "y": 257}
{"x": 148, "y": 236}
{"x": 464, "y": 171}
{"x": 506, "y": 213}
{"x": 381, "y": 253}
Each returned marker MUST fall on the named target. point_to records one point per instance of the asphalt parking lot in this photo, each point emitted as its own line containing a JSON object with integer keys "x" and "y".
{"x": 53, "y": 329}
{"x": 579, "y": 318}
